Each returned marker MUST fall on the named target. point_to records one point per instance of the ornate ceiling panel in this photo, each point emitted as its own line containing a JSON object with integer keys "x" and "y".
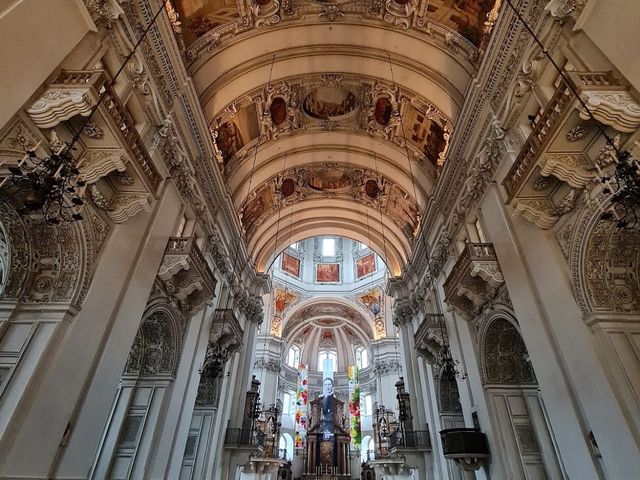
{"x": 327, "y": 315}
{"x": 330, "y": 181}
{"x": 335, "y": 103}
{"x": 462, "y": 24}
{"x": 332, "y": 116}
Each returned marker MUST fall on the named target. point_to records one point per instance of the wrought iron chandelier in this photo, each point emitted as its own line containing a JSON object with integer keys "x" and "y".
{"x": 624, "y": 185}
{"x": 52, "y": 186}
{"x": 214, "y": 362}
{"x": 622, "y": 181}
{"x": 446, "y": 367}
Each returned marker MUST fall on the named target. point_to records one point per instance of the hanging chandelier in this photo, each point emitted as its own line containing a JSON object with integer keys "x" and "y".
{"x": 52, "y": 187}
{"x": 445, "y": 367}
{"x": 214, "y": 362}
{"x": 624, "y": 186}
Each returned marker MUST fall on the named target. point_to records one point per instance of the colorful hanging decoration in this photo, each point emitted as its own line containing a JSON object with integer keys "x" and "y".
{"x": 354, "y": 406}
{"x": 302, "y": 403}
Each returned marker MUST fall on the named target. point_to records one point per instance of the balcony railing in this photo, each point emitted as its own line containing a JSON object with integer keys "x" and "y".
{"x": 418, "y": 439}
{"x": 238, "y": 437}
{"x": 474, "y": 278}
{"x": 537, "y": 140}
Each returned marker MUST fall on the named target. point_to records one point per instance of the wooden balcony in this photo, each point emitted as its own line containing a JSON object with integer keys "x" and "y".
{"x": 186, "y": 274}
{"x": 474, "y": 279}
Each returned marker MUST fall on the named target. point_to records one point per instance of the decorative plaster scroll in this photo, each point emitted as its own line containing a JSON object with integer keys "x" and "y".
{"x": 536, "y": 210}
{"x": 59, "y": 104}
{"x": 99, "y": 162}
{"x": 572, "y": 168}
{"x": 618, "y": 109}
{"x": 171, "y": 265}
{"x": 128, "y": 204}
{"x": 489, "y": 271}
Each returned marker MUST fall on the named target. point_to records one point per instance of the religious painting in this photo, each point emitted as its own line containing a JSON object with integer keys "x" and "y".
{"x": 424, "y": 134}
{"x": 236, "y": 132}
{"x": 382, "y": 111}
{"x": 199, "y": 16}
{"x": 290, "y": 265}
{"x": 402, "y": 208}
{"x": 373, "y": 301}
{"x": 328, "y": 272}
{"x": 330, "y": 103}
{"x": 328, "y": 179}
{"x": 253, "y": 210}
{"x": 278, "y": 110}
{"x": 283, "y": 298}
{"x": 365, "y": 265}
{"x": 467, "y": 17}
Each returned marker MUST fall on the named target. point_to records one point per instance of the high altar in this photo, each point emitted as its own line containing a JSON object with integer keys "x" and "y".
{"x": 328, "y": 441}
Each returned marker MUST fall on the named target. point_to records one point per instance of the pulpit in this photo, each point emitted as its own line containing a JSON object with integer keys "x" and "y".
{"x": 328, "y": 441}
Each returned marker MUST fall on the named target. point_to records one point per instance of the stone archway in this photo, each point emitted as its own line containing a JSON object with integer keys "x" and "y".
{"x": 49, "y": 263}
{"x": 155, "y": 350}
{"x": 516, "y": 407}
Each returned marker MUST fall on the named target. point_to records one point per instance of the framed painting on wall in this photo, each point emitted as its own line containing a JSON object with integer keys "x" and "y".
{"x": 365, "y": 265}
{"x": 290, "y": 265}
{"x": 328, "y": 272}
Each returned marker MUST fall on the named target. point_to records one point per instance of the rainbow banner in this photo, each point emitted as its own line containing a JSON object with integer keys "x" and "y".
{"x": 302, "y": 405}
{"x": 354, "y": 406}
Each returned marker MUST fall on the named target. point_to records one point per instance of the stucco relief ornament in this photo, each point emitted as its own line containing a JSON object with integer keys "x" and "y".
{"x": 104, "y": 12}
{"x": 561, "y": 10}
{"x": 399, "y": 15}
{"x": 331, "y": 13}
{"x": 265, "y": 15}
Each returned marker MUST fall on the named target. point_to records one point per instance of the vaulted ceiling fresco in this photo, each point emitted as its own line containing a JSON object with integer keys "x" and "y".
{"x": 328, "y": 315}
{"x": 330, "y": 181}
{"x": 335, "y": 116}
{"x": 470, "y": 18}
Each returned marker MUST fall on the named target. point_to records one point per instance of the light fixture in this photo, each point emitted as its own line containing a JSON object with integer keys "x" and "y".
{"x": 621, "y": 182}
{"x": 445, "y": 367}
{"x": 52, "y": 186}
{"x": 214, "y": 362}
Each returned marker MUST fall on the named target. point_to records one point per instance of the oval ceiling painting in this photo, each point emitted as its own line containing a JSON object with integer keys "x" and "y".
{"x": 382, "y": 111}
{"x": 278, "y": 110}
{"x": 330, "y": 103}
{"x": 328, "y": 180}
{"x": 288, "y": 187}
{"x": 371, "y": 188}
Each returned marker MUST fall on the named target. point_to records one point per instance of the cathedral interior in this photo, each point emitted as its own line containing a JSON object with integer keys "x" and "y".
{"x": 319, "y": 239}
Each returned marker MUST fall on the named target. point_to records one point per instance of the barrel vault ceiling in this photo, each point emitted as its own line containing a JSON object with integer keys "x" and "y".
{"x": 332, "y": 116}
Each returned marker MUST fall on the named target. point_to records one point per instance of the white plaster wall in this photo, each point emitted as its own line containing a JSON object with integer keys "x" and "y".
{"x": 36, "y": 35}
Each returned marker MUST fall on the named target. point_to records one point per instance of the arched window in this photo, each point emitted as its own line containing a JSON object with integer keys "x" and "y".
{"x": 328, "y": 356}
{"x": 362, "y": 357}
{"x": 289, "y": 403}
{"x": 293, "y": 356}
{"x": 366, "y": 405}
{"x": 368, "y": 449}
{"x": 285, "y": 447}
